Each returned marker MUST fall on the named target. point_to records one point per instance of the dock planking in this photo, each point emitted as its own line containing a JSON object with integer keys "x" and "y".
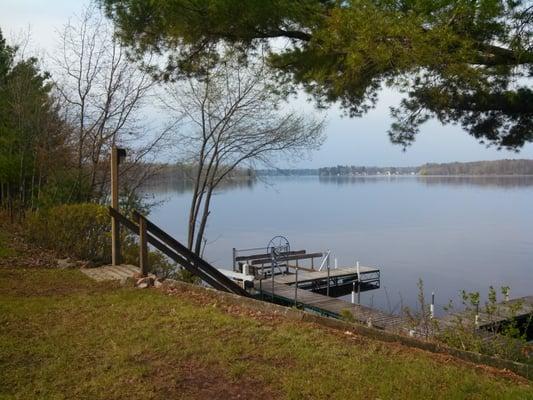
{"x": 112, "y": 272}
{"x": 313, "y": 276}
{"x": 517, "y": 309}
{"x": 329, "y": 306}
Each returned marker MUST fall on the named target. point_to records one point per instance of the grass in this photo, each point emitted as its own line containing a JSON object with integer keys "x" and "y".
{"x": 5, "y": 249}
{"x": 63, "y": 336}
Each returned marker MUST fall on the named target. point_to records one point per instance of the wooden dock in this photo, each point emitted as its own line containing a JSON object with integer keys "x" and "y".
{"x": 519, "y": 309}
{"x": 112, "y": 272}
{"x": 338, "y": 274}
{"x": 284, "y": 289}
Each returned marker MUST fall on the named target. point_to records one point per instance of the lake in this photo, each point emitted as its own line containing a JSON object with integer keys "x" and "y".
{"x": 454, "y": 233}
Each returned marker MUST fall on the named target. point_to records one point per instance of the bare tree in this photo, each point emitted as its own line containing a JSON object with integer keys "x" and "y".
{"x": 103, "y": 93}
{"x": 231, "y": 116}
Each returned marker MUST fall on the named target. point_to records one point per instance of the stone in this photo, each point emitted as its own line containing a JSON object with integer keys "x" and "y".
{"x": 65, "y": 263}
{"x": 145, "y": 282}
{"x": 143, "y": 285}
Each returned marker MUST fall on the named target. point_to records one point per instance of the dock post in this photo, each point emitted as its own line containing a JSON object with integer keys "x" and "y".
{"x": 432, "y": 306}
{"x": 296, "y": 289}
{"x": 234, "y": 255}
{"x": 261, "y": 286}
{"x": 143, "y": 246}
{"x": 336, "y": 263}
{"x": 245, "y": 271}
{"x": 272, "y": 276}
{"x": 358, "y": 284}
{"x": 327, "y": 290}
{"x": 353, "y": 293}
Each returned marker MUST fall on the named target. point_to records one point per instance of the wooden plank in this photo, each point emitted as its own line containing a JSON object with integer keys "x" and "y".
{"x": 309, "y": 276}
{"x": 333, "y": 306}
{"x": 288, "y": 258}
{"x": 107, "y": 274}
{"x": 266, "y": 255}
{"x": 143, "y": 246}
{"x": 194, "y": 261}
{"x": 190, "y": 265}
{"x": 132, "y": 268}
{"x": 118, "y": 269}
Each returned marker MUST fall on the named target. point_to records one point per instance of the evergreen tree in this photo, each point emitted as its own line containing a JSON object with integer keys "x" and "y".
{"x": 462, "y": 61}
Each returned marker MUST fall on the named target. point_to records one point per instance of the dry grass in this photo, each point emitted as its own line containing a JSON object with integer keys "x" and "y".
{"x": 64, "y": 336}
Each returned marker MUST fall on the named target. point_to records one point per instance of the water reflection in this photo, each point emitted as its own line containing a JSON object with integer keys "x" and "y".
{"x": 495, "y": 181}
{"x": 169, "y": 185}
{"x": 508, "y": 181}
{"x": 453, "y": 232}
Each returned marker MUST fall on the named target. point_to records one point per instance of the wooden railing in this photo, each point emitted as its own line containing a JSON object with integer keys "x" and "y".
{"x": 162, "y": 241}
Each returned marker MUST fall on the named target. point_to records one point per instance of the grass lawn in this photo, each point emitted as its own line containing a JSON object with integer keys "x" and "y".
{"x": 5, "y": 249}
{"x": 63, "y": 336}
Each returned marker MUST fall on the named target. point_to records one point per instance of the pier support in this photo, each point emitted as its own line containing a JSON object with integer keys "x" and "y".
{"x": 296, "y": 289}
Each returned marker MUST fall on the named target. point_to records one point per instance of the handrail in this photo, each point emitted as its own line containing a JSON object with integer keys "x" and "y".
{"x": 164, "y": 249}
{"x": 324, "y": 260}
{"x": 182, "y": 255}
{"x": 288, "y": 258}
{"x": 266, "y": 255}
{"x": 191, "y": 256}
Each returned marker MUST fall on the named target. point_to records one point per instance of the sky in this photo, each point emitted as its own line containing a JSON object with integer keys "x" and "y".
{"x": 349, "y": 141}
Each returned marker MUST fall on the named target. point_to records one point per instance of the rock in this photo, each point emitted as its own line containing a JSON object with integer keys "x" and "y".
{"x": 85, "y": 264}
{"x": 143, "y": 285}
{"x": 65, "y": 263}
{"x": 145, "y": 282}
{"x": 158, "y": 283}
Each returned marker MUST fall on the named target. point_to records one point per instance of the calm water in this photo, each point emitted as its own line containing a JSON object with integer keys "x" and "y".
{"x": 454, "y": 233}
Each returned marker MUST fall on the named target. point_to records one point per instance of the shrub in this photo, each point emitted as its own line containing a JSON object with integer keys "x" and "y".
{"x": 80, "y": 231}
{"x": 83, "y": 232}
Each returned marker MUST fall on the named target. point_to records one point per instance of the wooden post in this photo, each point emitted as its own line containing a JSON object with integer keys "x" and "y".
{"x": 358, "y": 284}
{"x": 327, "y": 290}
{"x": 143, "y": 246}
{"x": 115, "y": 226}
{"x": 296, "y": 290}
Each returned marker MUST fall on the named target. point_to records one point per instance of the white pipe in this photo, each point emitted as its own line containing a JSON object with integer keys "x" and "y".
{"x": 326, "y": 258}
{"x": 432, "y": 306}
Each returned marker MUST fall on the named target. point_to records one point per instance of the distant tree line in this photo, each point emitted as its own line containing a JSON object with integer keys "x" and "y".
{"x": 186, "y": 172}
{"x": 287, "y": 172}
{"x": 499, "y": 167}
{"x": 352, "y": 170}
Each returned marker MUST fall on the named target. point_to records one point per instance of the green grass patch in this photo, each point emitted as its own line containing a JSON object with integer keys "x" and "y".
{"x": 63, "y": 336}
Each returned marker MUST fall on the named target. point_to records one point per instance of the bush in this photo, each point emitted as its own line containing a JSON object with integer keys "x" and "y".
{"x": 80, "y": 231}
{"x": 83, "y": 232}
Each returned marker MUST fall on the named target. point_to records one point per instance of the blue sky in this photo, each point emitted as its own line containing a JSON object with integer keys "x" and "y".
{"x": 361, "y": 141}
